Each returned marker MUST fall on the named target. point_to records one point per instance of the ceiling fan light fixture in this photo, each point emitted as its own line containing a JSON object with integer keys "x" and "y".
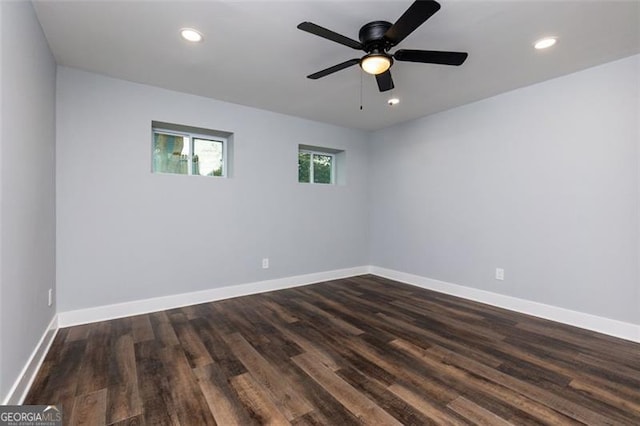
{"x": 375, "y": 63}
{"x": 377, "y": 38}
{"x": 545, "y": 43}
{"x": 191, "y": 35}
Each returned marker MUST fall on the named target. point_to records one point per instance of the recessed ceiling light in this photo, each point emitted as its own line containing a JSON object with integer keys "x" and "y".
{"x": 545, "y": 43}
{"x": 191, "y": 35}
{"x": 393, "y": 101}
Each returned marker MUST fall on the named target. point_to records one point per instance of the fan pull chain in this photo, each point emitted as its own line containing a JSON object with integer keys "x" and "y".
{"x": 361, "y": 91}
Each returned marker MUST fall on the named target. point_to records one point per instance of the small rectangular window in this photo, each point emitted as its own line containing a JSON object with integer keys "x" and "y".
{"x": 322, "y": 169}
{"x": 316, "y": 167}
{"x": 170, "y": 153}
{"x": 187, "y": 153}
{"x": 208, "y": 157}
{"x": 304, "y": 167}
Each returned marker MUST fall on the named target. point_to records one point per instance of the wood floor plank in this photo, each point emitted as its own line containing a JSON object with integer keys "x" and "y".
{"x": 555, "y": 402}
{"x": 141, "y": 328}
{"x": 425, "y": 307}
{"x": 474, "y": 386}
{"x": 328, "y": 410}
{"x": 425, "y": 405}
{"x": 581, "y": 341}
{"x": 245, "y": 322}
{"x": 256, "y": 398}
{"x": 277, "y": 347}
{"x": 39, "y": 385}
{"x": 360, "y": 317}
{"x": 193, "y": 347}
{"x": 332, "y": 319}
{"x": 461, "y": 325}
{"x": 309, "y": 347}
{"x": 326, "y": 348}
{"x": 223, "y": 402}
{"x": 560, "y": 355}
{"x": 510, "y": 353}
{"x": 476, "y": 414}
{"x": 131, "y": 421}
{"x": 361, "y": 350}
{"x": 384, "y": 398}
{"x": 533, "y": 373}
{"x": 223, "y": 357}
{"x": 155, "y": 392}
{"x": 62, "y": 383}
{"x": 162, "y": 329}
{"x": 410, "y": 332}
{"x": 123, "y": 400}
{"x": 366, "y": 410}
{"x": 187, "y": 398}
{"x": 628, "y": 394}
{"x": 93, "y": 374}
{"x": 80, "y": 332}
{"x": 280, "y": 311}
{"x": 289, "y": 402}
{"x": 49, "y": 367}
{"x": 609, "y": 396}
{"x": 615, "y": 368}
{"x": 90, "y": 409}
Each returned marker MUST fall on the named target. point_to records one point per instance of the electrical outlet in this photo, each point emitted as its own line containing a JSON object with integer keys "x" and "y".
{"x": 265, "y": 263}
{"x": 500, "y": 274}
{"x": 50, "y": 301}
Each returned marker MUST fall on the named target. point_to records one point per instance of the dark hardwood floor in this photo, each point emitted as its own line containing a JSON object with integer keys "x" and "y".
{"x": 363, "y": 350}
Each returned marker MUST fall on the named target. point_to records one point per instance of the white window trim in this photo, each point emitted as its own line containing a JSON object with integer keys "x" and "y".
{"x": 333, "y": 166}
{"x": 190, "y": 149}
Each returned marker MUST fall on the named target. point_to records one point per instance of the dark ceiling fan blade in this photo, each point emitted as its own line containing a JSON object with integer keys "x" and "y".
{"x": 333, "y": 69}
{"x": 385, "y": 82}
{"x": 430, "y": 57}
{"x": 329, "y": 35}
{"x": 415, "y": 16}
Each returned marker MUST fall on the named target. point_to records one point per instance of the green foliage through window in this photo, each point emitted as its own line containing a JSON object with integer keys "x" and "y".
{"x": 322, "y": 168}
{"x": 304, "y": 167}
{"x": 315, "y": 167}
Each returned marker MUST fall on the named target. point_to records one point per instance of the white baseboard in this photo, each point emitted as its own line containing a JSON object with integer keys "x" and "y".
{"x": 608, "y": 326}
{"x": 18, "y": 391}
{"x": 137, "y": 307}
{"x": 611, "y": 327}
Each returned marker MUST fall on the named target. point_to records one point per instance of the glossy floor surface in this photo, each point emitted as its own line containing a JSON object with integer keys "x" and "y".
{"x": 363, "y": 350}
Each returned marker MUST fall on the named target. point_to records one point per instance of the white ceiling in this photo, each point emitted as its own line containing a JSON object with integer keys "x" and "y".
{"x": 254, "y": 55}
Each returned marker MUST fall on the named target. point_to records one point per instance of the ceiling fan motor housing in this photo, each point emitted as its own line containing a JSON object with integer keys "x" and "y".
{"x": 372, "y": 36}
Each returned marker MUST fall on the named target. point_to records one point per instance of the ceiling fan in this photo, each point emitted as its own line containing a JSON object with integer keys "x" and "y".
{"x": 378, "y": 37}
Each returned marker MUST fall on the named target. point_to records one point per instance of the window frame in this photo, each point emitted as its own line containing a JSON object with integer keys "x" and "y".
{"x": 190, "y": 154}
{"x": 326, "y": 154}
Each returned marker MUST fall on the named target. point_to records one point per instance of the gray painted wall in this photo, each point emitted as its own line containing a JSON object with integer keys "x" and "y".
{"x": 124, "y": 233}
{"x": 542, "y": 181}
{"x": 27, "y": 187}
